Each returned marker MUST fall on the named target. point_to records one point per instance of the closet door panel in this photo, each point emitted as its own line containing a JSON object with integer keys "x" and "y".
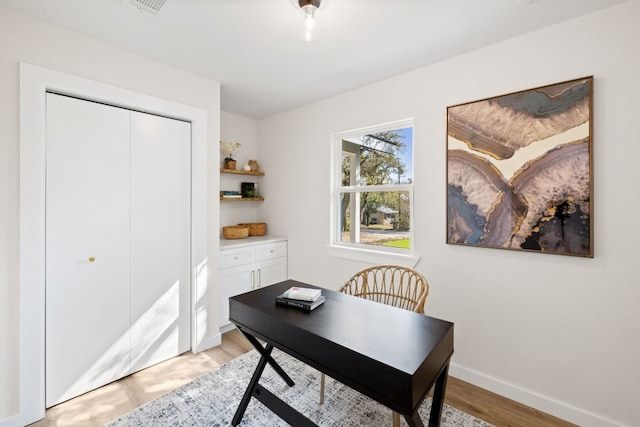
{"x": 160, "y": 238}
{"x": 87, "y": 246}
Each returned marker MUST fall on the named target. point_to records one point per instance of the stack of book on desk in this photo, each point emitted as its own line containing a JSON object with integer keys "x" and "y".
{"x": 303, "y": 298}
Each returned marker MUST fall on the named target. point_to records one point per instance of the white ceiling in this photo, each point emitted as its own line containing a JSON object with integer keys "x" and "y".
{"x": 252, "y": 46}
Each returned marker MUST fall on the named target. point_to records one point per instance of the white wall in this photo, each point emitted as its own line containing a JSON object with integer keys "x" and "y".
{"x": 235, "y": 128}
{"x": 556, "y": 332}
{"x": 23, "y": 39}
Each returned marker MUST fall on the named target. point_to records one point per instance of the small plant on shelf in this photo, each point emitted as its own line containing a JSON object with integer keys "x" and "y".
{"x": 229, "y": 149}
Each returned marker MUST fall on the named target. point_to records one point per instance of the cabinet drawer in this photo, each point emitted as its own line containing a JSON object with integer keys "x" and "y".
{"x": 271, "y": 251}
{"x": 235, "y": 257}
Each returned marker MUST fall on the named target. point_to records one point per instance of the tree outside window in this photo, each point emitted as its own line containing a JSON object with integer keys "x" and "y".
{"x": 376, "y": 188}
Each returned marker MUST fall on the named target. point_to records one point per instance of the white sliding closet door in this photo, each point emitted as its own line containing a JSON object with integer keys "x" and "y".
{"x": 117, "y": 243}
{"x": 160, "y": 238}
{"x": 87, "y": 246}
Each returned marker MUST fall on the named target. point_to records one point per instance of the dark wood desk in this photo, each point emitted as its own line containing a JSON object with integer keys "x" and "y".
{"x": 392, "y": 355}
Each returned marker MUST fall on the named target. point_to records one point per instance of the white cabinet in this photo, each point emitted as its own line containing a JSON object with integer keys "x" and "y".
{"x": 249, "y": 266}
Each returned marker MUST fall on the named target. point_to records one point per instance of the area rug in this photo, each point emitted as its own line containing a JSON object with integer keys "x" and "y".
{"x": 212, "y": 399}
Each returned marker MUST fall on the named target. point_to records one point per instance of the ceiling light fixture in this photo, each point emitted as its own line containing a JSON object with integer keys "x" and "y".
{"x": 309, "y": 28}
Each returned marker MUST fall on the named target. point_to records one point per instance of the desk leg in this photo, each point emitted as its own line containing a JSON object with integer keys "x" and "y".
{"x": 253, "y": 389}
{"x": 414, "y": 420}
{"x": 436, "y": 403}
{"x": 252, "y": 386}
{"x": 282, "y": 409}
{"x": 267, "y": 355}
{"x": 438, "y": 397}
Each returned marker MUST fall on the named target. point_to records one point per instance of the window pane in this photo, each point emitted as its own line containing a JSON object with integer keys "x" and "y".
{"x": 381, "y": 219}
{"x": 381, "y": 158}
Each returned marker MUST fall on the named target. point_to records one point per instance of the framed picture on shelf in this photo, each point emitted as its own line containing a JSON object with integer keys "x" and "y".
{"x": 248, "y": 189}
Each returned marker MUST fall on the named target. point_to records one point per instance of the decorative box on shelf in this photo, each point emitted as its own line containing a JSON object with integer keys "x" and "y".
{"x": 235, "y": 232}
{"x": 256, "y": 228}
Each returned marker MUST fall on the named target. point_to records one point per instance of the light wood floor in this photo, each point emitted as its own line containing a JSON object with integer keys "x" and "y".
{"x": 113, "y": 400}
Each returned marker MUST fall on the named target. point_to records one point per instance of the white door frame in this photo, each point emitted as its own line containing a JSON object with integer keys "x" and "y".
{"x": 34, "y": 82}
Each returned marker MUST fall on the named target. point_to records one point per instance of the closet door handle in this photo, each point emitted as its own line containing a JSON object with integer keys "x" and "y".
{"x": 253, "y": 279}
{"x": 92, "y": 259}
{"x": 259, "y": 277}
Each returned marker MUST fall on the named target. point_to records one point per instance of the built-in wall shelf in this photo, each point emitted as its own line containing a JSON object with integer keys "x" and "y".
{"x": 242, "y": 199}
{"x": 246, "y": 173}
{"x": 242, "y": 172}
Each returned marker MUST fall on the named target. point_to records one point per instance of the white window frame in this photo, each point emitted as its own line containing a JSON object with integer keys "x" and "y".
{"x": 360, "y": 251}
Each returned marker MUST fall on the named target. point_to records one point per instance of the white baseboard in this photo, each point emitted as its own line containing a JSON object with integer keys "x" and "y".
{"x": 542, "y": 403}
{"x": 227, "y": 328}
{"x": 207, "y": 343}
{"x": 13, "y": 421}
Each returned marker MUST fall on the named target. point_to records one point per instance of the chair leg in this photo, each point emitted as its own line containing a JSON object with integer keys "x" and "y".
{"x": 396, "y": 419}
{"x": 321, "y": 388}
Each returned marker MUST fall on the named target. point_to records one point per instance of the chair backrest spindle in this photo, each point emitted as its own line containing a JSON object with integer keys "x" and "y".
{"x": 390, "y": 284}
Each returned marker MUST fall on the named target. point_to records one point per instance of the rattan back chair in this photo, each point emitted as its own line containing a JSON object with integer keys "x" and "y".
{"x": 390, "y": 284}
{"x": 393, "y": 285}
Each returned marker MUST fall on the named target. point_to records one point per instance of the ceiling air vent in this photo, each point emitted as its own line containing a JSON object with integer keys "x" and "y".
{"x": 152, "y": 6}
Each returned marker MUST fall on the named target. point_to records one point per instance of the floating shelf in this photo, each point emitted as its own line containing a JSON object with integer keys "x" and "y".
{"x": 242, "y": 199}
{"x": 242, "y": 172}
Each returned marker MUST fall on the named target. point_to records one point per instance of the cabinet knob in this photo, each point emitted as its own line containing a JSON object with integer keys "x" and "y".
{"x": 92, "y": 259}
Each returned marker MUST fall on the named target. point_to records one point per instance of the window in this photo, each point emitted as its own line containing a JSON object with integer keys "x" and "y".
{"x": 372, "y": 198}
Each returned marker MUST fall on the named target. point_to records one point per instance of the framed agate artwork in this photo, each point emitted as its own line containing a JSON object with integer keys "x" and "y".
{"x": 519, "y": 170}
